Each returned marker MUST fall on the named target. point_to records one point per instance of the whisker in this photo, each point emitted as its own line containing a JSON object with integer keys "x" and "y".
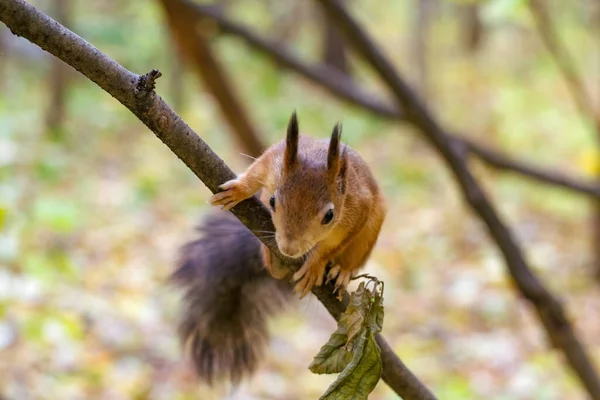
{"x": 309, "y": 254}
{"x": 259, "y": 231}
{"x": 249, "y": 156}
{"x": 309, "y": 248}
{"x": 266, "y": 237}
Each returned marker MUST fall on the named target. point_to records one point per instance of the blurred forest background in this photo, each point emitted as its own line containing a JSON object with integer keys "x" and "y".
{"x": 93, "y": 208}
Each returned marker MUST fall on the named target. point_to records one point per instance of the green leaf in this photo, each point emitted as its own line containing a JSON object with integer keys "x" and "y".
{"x": 355, "y": 315}
{"x": 3, "y": 214}
{"x": 361, "y": 375}
{"x": 332, "y": 358}
{"x": 376, "y": 314}
{"x": 504, "y": 10}
{"x": 38, "y": 266}
{"x": 50, "y": 170}
{"x": 351, "y": 349}
{"x": 148, "y": 188}
{"x": 50, "y": 267}
{"x": 57, "y": 214}
{"x": 71, "y": 324}
{"x": 32, "y": 328}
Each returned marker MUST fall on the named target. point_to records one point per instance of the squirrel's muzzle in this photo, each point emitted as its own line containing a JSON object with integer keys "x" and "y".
{"x": 290, "y": 247}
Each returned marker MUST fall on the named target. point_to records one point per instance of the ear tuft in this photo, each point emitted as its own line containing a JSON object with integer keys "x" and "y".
{"x": 343, "y": 170}
{"x": 333, "y": 154}
{"x": 291, "y": 142}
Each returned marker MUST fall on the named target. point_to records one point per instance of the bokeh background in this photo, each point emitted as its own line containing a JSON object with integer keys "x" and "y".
{"x": 93, "y": 207}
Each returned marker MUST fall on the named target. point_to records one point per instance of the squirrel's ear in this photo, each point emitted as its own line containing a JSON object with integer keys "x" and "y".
{"x": 291, "y": 142}
{"x": 333, "y": 154}
{"x": 343, "y": 170}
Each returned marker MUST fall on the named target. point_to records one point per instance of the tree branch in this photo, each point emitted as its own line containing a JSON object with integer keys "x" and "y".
{"x": 59, "y": 78}
{"x": 541, "y": 175}
{"x": 576, "y": 87}
{"x": 565, "y": 63}
{"x": 345, "y": 89}
{"x": 133, "y": 92}
{"x": 549, "y": 310}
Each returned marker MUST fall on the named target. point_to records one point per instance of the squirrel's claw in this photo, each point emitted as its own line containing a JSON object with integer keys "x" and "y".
{"x": 233, "y": 193}
{"x": 306, "y": 278}
{"x": 342, "y": 279}
{"x": 342, "y": 282}
{"x": 333, "y": 273}
{"x": 300, "y": 277}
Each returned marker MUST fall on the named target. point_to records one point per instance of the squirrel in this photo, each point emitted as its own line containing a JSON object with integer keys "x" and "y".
{"x": 326, "y": 208}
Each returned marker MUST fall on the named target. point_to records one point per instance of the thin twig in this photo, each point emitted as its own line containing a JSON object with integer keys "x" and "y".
{"x": 564, "y": 61}
{"x": 147, "y": 82}
{"x": 575, "y": 85}
{"x": 25, "y": 20}
{"x": 345, "y": 89}
{"x": 555, "y": 178}
{"x": 549, "y": 309}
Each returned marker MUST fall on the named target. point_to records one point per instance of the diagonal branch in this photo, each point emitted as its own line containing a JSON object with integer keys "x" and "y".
{"x": 345, "y": 89}
{"x": 136, "y": 93}
{"x": 549, "y": 310}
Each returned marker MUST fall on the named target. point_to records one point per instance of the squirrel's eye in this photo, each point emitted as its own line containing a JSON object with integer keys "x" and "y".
{"x": 272, "y": 202}
{"x": 328, "y": 217}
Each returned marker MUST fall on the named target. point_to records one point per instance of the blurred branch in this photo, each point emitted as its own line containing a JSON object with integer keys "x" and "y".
{"x": 330, "y": 78}
{"x": 576, "y": 86}
{"x": 187, "y": 34}
{"x": 344, "y": 88}
{"x": 4, "y": 56}
{"x": 472, "y": 25}
{"x": 420, "y": 44}
{"x": 176, "y": 81}
{"x": 136, "y": 93}
{"x": 564, "y": 62}
{"x": 549, "y": 309}
{"x": 334, "y": 48}
{"x": 58, "y": 78}
{"x": 556, "y": 178}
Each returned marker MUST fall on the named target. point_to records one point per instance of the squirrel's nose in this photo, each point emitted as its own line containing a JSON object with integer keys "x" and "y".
{"x": 288, "y": 248}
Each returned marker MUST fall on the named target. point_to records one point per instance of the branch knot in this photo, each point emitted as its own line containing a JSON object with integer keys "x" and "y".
{"x": 147, "y": 82}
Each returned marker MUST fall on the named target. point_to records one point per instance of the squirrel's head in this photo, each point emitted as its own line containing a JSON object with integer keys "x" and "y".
{"x": 308, "y": 205}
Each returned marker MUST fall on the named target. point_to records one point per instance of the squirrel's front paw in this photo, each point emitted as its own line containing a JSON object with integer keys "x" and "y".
{"x": 307, "y": 277}
{"x": 342, "y": 279}
{"x": 233, "y": 192}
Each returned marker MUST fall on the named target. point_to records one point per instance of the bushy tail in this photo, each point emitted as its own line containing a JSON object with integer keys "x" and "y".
{"x": 228, "y": 297}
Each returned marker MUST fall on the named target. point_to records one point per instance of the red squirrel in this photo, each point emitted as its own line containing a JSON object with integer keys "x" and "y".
{"x": 324, "y": 200}
{"x": 326, "y": 207}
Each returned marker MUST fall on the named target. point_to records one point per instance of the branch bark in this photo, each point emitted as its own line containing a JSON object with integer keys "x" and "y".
{"x": 136, "y": 93}
{"x": 345, "y": 89}
{"x": 548, "y": 308}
